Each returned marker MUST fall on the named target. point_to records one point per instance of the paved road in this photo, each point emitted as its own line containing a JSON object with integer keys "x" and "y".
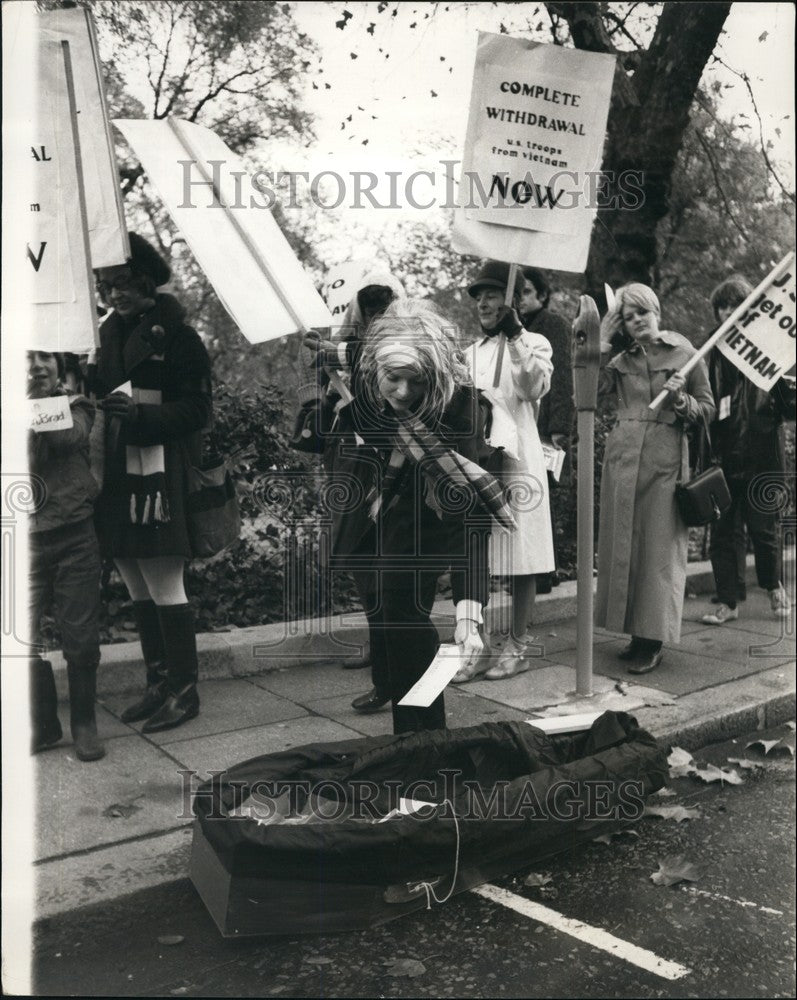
{"x": 729, "y": 934}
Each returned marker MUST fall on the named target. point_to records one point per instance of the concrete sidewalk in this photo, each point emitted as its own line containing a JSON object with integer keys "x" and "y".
{"x": 123, "y": 824}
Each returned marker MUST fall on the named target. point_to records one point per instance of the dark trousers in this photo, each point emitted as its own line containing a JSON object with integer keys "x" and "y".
{"x": 65, "y": 574}
{"x": 398, "y": 605}
{"x": 763, "y": 529}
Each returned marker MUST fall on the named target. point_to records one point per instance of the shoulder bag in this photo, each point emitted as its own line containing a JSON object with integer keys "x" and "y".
{"x": 705, "y": 498}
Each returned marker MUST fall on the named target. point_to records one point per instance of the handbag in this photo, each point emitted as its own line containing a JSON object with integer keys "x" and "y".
{"x": 212, "y": 512}
{"x": 706, "y": 497}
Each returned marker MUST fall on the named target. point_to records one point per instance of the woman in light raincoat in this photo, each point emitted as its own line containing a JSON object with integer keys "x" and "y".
{"x": 642, "y": 542}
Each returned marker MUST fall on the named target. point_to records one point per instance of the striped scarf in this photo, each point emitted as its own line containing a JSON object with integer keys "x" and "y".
{"x": 146, "y": 464}
{"x": 441, "y": 466}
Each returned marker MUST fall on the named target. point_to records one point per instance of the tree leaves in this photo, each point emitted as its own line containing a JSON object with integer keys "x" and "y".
{"x": 680, "y": 762}
{"x": 537, "y": 879}
{"x": 711, "y": 773}
{"x": 678, "y": 813}
{"x": 673, "y": 869}
{"x": 682, "y": 765}
{"x": 607, "y": 838}
{"x": 347, "y": 16}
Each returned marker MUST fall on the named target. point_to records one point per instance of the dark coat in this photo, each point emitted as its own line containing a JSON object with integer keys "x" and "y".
{"x": 60, "y": 460}
{"x": 409, "y": 534}
{"x": 747, "y": 441}
{"x": 556, "y": 406}
{"x": 177, "y": 424}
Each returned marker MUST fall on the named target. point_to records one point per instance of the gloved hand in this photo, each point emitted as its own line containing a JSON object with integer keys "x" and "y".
{"x": 508, "y": 323}
{"x": 466, "y": 636}
{"x": 119, "y": 405}
{"x": 322, "y": 352}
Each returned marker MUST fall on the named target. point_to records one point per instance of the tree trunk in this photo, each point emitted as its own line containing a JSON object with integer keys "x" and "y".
{"x": 647, "y": 120}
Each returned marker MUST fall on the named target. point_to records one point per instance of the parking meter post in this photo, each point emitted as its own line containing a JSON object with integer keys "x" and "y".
{"x": 586, "y": 370}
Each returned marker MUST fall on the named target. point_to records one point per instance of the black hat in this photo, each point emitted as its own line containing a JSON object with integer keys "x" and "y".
{"x": 145, "y": 259}
{"x": 493, "y": 274}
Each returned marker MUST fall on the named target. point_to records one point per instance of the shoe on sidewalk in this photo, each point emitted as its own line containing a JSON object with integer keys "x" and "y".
{"x": 514, "y": 659}
{"x": 779, "y": 602}
{"x": 371, "y": 702}
{"x": 651, "y": 660}
{"x": 722, "y": 614}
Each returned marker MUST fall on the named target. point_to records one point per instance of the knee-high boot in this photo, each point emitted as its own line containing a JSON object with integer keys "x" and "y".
{"x": 82, "y": 719}
{"x": 149, "y": 632}
{"x": 182, "y": 669}
{"x": 45, "y": 727}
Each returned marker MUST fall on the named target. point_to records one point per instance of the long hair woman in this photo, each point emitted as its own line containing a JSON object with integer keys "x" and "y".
{"x": 405, "y": 450}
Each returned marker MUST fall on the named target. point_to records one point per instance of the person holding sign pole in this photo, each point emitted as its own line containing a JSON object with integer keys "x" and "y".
{"x": 747, "y": 441}
{"x": 525, "y": 378}
{"x": 642, "y": 540}
{"x": 64, "y": 558}
{"x": 412, "y": 501}
{"x": 154, "y": 373}
{"x": 555, "y": 419}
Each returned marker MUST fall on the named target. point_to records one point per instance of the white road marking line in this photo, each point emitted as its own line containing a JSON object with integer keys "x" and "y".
{"x": 730, "y": 899}
{"x": 584, "y": 932}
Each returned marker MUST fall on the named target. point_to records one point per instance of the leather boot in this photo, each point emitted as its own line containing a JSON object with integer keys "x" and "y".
{"x": 182, "y": 669}
{"x": 149, "y": 633}
{"x": 82, "y": 719}
{"x": 632, "y": 650}
{"x": 45, "y": 727}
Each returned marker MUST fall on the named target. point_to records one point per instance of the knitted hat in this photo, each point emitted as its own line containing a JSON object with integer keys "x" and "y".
{"x": 145, "y": 259}
{"x": 493, "y": 274}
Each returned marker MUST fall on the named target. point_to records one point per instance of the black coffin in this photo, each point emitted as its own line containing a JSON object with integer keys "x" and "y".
{"x": 507, "y": 795}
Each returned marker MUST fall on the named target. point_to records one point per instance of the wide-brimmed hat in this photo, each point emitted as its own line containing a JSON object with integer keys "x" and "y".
{"x": 493, "y": 274}
{"x": 147, "y": 261}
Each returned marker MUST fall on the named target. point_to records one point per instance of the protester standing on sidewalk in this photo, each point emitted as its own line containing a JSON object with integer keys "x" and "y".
{"x": 525, "y": 379}
{"x": 405, "y": 449}
{"x": 152, "y": 433}
{"x": 746, "y": 438}
{"x": 555, "y": 419}
{"x": 642, "y": 541}
{"x": 64, "y": 563}
{"x": 377, "y": 289}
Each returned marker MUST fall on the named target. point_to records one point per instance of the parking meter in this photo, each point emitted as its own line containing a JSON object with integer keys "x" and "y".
{"x": 586, "y": 353}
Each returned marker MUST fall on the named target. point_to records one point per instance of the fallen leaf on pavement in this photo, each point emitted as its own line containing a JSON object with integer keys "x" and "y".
{"x": 680, "y": 762}
{"x": 791, "y": 725}
{"x": 537, "y": 879}
{"x": 621, "y": 686}
{"x": 170, "y": 939}
{"x": 678, "y": 813}
{"x": 666, "y": 793}
{"x": 673, "y": 869}
{"x": 744, "y": 763}
{"x": 607, "y": 838}
{"x": 711, "y": 773}
{"x": 318, "y": 960}
{"x": 405, "y": 967}
{"x": 786, "y": 743}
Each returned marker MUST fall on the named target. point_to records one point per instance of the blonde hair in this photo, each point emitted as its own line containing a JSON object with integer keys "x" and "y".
{"x": 430, "y": 346}
{"x": 633, "y": 294}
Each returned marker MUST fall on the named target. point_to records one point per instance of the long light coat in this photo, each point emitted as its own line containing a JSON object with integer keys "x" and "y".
{"x": 525, "y": 378}
{"x": 642, "y": 542}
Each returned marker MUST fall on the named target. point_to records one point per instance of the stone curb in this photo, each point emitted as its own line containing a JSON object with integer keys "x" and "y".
{"x": 242, "y": 652}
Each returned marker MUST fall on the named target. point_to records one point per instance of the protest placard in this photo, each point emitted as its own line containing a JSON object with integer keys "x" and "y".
{"x": 225, "y": 217}
{"x": 341, "y": 282}
{"x": 533, "y": 152}
{"x": 50, "y": 414}
{"x": 47, "y": 276}
{"x": 761, "y": 341}
{"x": 104, "y": 214}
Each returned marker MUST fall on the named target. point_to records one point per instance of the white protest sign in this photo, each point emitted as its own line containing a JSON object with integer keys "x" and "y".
{"x": 437, "y": 676}
{"x": 226, "y": 220}
{"x": 50, "y": 414}
{"x": 533, "y": 152}
{"x": 341, "y": 283}
{"x": 105, "y": 216}
{"x": 761, "y": 342}
{"x": 46, "y": 267}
